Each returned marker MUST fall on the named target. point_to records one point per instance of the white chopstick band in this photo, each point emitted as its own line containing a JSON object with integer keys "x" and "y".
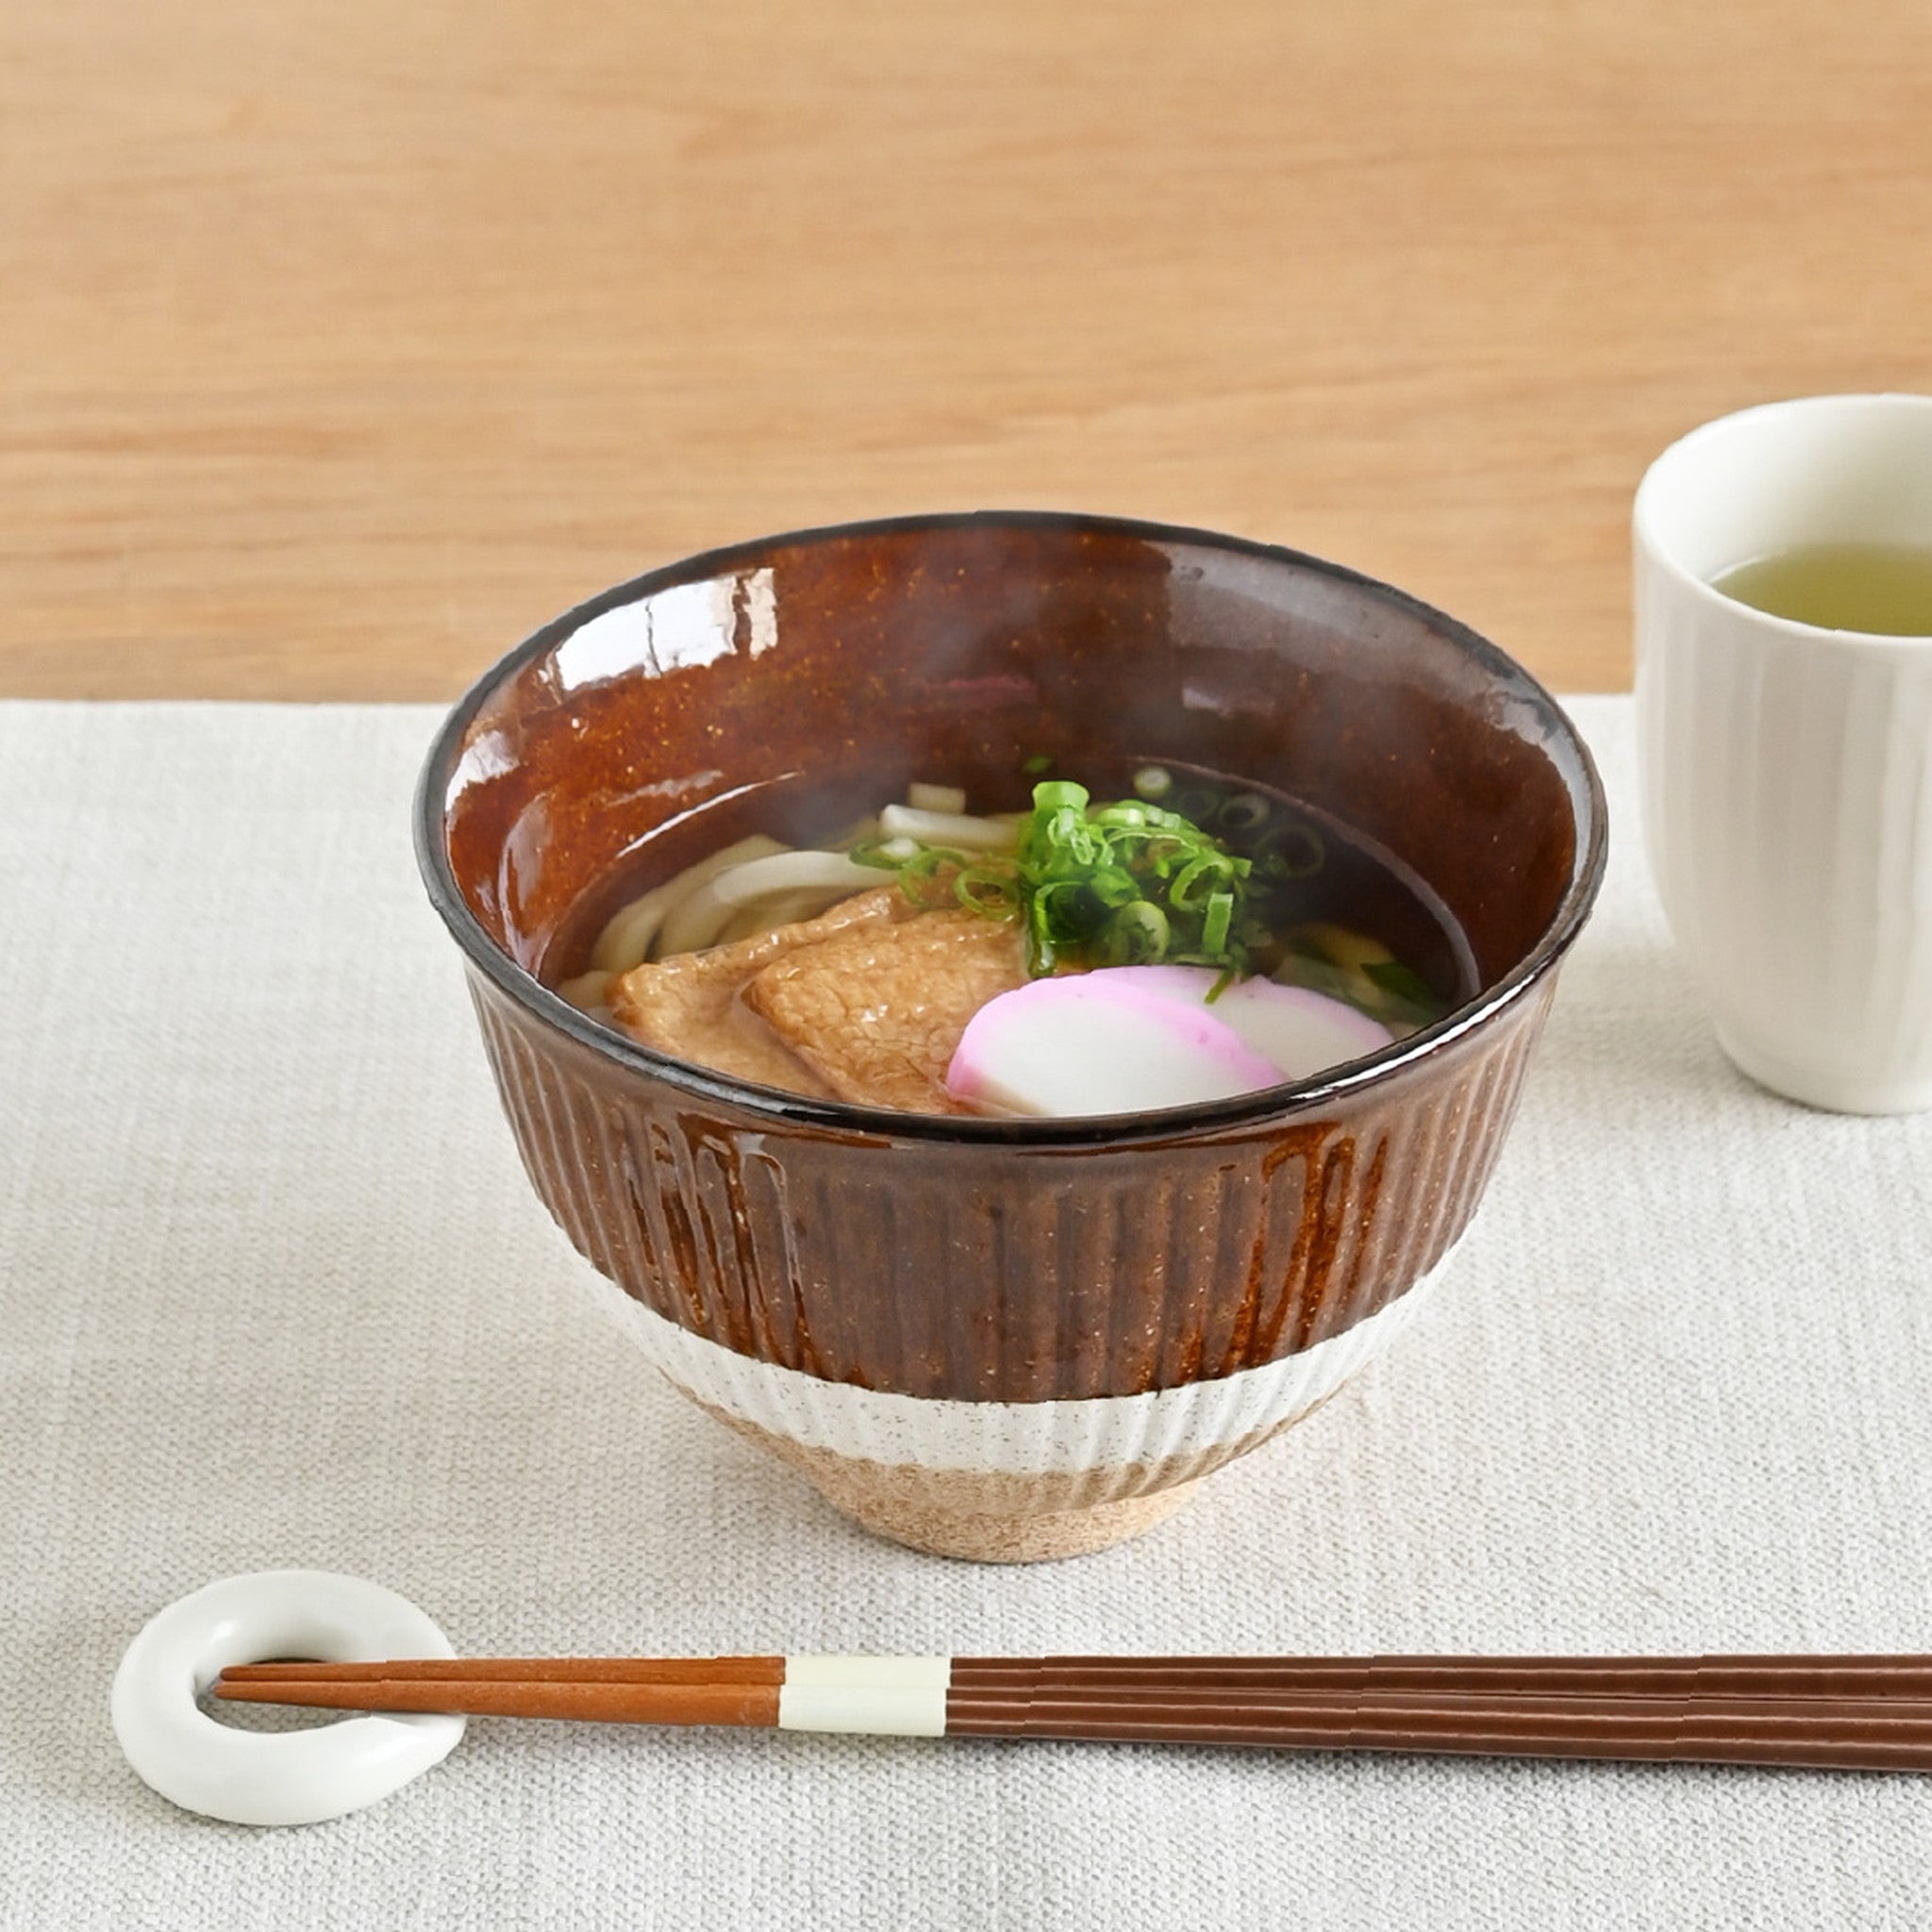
{"x": 882, "y": 1696}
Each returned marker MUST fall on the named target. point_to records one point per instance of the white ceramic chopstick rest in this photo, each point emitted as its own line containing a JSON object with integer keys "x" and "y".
{"x": 273, "y": 1777}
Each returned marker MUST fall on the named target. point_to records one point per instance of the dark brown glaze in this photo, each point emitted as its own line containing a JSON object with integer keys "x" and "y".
{"x": 1003, "y": 1260}
{"x": 1817, "y": 1734}
{"x": 1895, "y": 1678}
{"x": 1004, "y": 1272}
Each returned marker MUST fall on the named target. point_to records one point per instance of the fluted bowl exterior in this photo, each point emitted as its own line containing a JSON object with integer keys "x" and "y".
{"x": 1007, "y": 1339}
{"x": 1010, "y": 1273}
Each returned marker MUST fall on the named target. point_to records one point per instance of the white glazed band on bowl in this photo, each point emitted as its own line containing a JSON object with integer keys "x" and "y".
{"x": 1005, "y": 1481}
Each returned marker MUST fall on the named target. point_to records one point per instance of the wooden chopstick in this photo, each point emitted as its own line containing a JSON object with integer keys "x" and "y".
{"x": 522, "y": 1670}
{"x": 1820, "y": 1733}
{"x": 1855, "y": 1677}
{"x": 1774, "y": 1676}
{"x": 589, "y": 1700}
{"x": 1849, "y": 1712}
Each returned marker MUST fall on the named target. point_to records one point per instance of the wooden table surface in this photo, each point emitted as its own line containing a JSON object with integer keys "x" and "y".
{"x": 343, "y": 342}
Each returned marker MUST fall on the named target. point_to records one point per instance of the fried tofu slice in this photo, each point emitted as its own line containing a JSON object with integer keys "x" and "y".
{"x": 690, "y": 1006}
{"x": 875, "y": 1011}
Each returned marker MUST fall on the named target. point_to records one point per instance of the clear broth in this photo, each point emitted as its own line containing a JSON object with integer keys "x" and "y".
{"x": 1360, "y": 885}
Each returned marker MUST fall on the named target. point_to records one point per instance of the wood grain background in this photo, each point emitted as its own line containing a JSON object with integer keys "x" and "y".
{"x": 343, "y": 342}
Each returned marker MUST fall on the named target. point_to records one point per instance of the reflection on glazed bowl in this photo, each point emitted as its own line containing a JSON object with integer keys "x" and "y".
{"x": 1007, "y": 1340}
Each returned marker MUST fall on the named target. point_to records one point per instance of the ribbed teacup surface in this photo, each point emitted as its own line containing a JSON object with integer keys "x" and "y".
{"x": 1788, "y": 787}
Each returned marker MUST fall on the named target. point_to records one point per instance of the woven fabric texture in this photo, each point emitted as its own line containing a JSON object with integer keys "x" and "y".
{"x": 273, "y": 1291}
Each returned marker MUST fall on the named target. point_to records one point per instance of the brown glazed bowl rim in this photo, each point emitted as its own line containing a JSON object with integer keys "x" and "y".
{"x": 1166, "y": 1123}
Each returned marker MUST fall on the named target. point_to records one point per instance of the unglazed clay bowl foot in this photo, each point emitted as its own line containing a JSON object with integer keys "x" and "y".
{"x": 1005, "y": 1339}
{"x": 1012, "y": 1535}
{"x": 1006, "y": 1482}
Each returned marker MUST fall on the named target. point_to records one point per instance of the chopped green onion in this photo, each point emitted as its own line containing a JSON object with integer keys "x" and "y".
{"x": 1246, "y": 811}
{"x": 1114, "y": 886}
{"x": 872, "y": 851}
{"x": 1203, "y": 869}
{"x": 1135, "y": 936}
{"x": 990, "y": 894}
{"x": 919, "y": 876}
{"x": 1058, "y": 794}
{"x": 1214, "y": 927}
{"x": 1295, "y": 851}
{"x": 1129, "y": 881}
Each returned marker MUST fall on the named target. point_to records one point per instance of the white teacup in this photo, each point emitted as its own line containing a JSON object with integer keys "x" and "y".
{"x": 1786, "y": 770}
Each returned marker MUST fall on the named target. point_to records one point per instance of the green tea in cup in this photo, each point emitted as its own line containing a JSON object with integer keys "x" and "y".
{"x": 1884, "y": 589}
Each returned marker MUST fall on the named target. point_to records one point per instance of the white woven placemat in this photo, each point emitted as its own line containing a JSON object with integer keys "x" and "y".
{"x": 274, "y": 1291}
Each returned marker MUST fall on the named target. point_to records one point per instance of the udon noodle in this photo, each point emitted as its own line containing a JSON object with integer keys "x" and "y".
{"x": 883, "y": 966}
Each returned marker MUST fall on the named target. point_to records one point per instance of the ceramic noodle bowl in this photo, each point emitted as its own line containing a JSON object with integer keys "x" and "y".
{"x": 1005, "y": 1338}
